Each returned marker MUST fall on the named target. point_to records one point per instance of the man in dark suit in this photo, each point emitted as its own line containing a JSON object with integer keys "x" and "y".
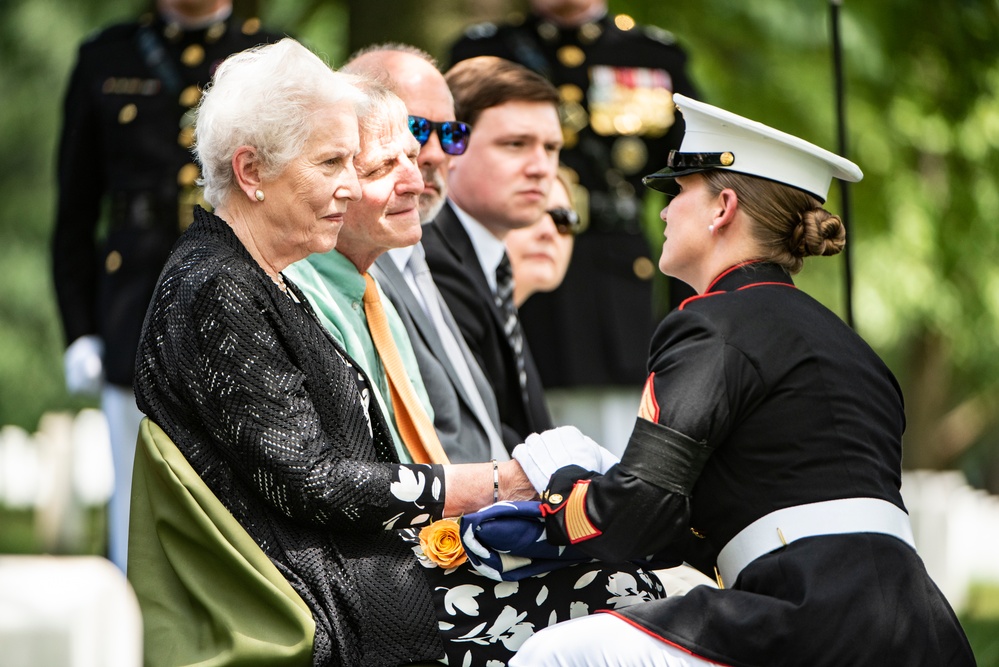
{"x": 128, "y": 127}
{"x": 616, "y": 80}
{"x": 500, "y": 183}
{"x": 465, "y": 414}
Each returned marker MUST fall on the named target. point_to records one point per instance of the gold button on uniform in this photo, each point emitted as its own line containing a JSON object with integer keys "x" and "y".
{"x": 624, "y": 22}
{"x": 629, "y": 154}
{"x": 188, "y": 174}
{"x": 214, "y": 32}
{"x": 127, "y": 114}
{"x": 571, "y": 56}
{"x": 113, "y": 261}
{"x": 570, "y": 92}
{"x": 189, "y": 96}
{"x": 644, "y": 268}
{"x": 555, "y": 498}
{"x": 569, "y": 138}
{"x": 251, "y": 26}
{"x": 186, "y": 137}
{"x": 573, "y": 116}
{"x": 547, "y": 31}
{"x": 193, "y": 55}
{"x": 590, "y": 32}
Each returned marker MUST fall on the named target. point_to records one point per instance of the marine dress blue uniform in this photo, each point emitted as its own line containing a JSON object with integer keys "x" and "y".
{"x": 779, "y": 404}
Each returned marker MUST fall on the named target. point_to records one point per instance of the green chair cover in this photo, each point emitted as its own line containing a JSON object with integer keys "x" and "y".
{"x": 209, "y": 596}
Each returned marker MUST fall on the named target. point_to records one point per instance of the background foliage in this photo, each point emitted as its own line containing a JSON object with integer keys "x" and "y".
{"x": 923, "y": 118}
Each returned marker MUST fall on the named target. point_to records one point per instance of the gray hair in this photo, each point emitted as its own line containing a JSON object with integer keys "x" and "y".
{"x": 264, "y": 97}
{"x": 383, "y": 107}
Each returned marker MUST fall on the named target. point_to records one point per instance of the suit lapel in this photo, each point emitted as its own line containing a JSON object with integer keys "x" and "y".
{"x": 451, "y": 239}
{"x": 460, "y": 245}
{"x": 424, "y": 327}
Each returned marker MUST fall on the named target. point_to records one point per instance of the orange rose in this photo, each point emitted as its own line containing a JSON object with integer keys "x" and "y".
{"x": 441, "y": 543}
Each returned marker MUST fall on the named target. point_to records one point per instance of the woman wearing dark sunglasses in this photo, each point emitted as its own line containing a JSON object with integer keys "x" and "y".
{"x": 540, "y": 254}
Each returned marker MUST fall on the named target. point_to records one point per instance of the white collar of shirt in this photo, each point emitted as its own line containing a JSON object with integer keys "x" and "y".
{"x": 400, "y": 257}
{"x": 488, "y": 248}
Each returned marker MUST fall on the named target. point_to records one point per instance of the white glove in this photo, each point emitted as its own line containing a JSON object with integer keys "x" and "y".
{"x": 83, "y": 365}
{"x": 544, "y": 453}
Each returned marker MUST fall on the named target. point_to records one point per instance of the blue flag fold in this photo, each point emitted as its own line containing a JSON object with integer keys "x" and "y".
{"x": 507, "y": 542}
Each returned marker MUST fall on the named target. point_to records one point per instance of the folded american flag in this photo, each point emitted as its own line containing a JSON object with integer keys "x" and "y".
{"x": 506, "y": 542}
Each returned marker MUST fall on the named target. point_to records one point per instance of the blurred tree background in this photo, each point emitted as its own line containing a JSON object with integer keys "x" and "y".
{"x": 922, "y": 85}
{"x": 922, "y": 91}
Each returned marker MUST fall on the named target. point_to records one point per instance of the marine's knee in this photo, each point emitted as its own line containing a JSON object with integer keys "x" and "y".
{"x": 564, "y": 644}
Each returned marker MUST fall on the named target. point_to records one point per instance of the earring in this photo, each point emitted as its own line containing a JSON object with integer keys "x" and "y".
{"x": 711, "y": 228}
{"x": 259, "y": 194}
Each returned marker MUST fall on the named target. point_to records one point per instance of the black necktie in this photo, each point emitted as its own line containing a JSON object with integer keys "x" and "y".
{"x": 511, "y": 323}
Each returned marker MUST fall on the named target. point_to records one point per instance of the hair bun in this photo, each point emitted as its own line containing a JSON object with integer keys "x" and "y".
{"x": 819, "y": 233}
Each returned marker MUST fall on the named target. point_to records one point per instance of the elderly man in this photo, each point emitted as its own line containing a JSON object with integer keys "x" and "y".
{"x": 500, "y": 183}
{"x": 464, "y": 408}
{"x": 339, "y": 286}
{"x": 337, "y": 283}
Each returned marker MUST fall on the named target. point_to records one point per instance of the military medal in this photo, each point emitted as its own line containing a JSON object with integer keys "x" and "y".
{"x": 630, "y": 101}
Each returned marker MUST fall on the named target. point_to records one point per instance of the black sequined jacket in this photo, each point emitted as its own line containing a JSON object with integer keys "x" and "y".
{"x": 276, "y": 419}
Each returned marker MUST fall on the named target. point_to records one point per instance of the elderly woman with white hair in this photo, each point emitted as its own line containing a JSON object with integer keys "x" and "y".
{"x": 268, "y": 409}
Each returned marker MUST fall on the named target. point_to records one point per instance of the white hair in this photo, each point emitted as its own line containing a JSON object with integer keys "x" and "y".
{"x": 383, "y": 107}
{"x": 264, "y": 97}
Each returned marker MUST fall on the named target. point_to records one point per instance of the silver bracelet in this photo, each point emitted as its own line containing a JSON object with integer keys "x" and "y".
{"x": 495, "y": 482}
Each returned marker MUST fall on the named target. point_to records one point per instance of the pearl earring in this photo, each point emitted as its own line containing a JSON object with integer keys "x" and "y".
{"x": 259, "y": 194}
{"x": 711, "y": 228}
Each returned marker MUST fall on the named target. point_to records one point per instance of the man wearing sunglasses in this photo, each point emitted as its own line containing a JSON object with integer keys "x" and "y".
{"x": 500, "y": 183}
{"x": 616, "y": 80}
{"x": 465, "y": 414}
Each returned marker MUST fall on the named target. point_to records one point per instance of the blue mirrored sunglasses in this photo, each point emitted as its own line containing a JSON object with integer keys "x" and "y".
{"x": 452, "y": 133}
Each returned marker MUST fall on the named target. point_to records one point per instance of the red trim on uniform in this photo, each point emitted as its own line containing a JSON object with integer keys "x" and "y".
{"x": 724, "y": 273}
{"x": 730, "y": 270}
{"x": 771, "y": 283}
{"x": 695, "y": 298}
{"x": 648, "y": 409}
{"x": 638, "y": 626}
{"x": 549, "y": 510}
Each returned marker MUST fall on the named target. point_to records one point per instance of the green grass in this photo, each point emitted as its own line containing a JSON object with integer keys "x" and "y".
{"x": 981, "y": 622}
{"x": 19, "y": 534}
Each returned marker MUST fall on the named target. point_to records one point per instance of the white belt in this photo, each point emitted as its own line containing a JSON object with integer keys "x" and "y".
{"x": 832, "y": 517}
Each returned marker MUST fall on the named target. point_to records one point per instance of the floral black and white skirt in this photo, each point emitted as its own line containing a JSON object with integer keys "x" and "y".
{"x": 483, "y": 622}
